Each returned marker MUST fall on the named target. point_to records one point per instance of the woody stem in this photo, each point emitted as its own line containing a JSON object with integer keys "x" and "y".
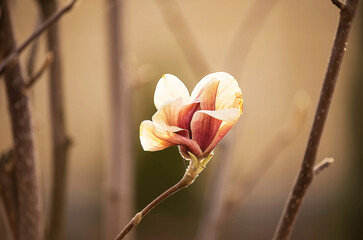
{"x": 194, "y": 169}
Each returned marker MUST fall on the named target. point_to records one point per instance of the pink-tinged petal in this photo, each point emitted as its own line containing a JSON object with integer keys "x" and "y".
{"x": 185, "y": 115}
{"x": 168, "y": 88}
{"x": 167, "y": 116}
{"x": 208, "y": 94}
{"x": 149, "y": 141}
{"x": 223, "y": 130}
{"x": 229, "y": 95}
{"x": 204, "y": 129}
{"x": 154, "y": 138}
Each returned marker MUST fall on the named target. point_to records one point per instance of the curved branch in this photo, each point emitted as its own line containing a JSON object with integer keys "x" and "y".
{"x": 195, "y": 167}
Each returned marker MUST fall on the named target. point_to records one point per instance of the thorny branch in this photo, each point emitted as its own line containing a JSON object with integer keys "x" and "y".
{"x": 51, "y": 20}
{"x": 306, "y": 173}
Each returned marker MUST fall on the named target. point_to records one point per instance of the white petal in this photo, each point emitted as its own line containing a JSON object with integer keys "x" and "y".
{"x": 229, "y": 94}
{"x": 169, "y": 87}
{"x": 229, "y": 115}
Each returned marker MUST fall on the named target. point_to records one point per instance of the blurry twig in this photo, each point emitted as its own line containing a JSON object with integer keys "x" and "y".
{"x": 177, "y": 24}
{"x": 244, "y": 184}
{"x": 326, "y": 162}
{"x": 30, "y": 63}
{"x": 46, "y": 24}
{"x": 119, "y": 198}
{"x": 8, "y": 189}
{"x": 234, "y": 63}
{"x": 306, "y": 173}
{"x": 34, "y": 77}
{"x": 60, "y": 140}
{"x": 241, "y": 45}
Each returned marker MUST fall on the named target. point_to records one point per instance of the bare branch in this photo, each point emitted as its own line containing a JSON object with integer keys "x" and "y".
{"x": 30, "y": 62}
{"x": 7, "y": 160}
{"x": 119, "y": 198}
{"x": 51, "y": 20}
{"x": 339, "y": 4}
{"x": 306, "y": 173}
{"x": 195, "y": 167}
{"x": 47, "y": 61}
{"x": 178, "y": 26}
{"x": 26, "y": 183}
{"x": 60, "y": 140}
{"x": 326, "y": 162}
{"x": 8, "y": 188}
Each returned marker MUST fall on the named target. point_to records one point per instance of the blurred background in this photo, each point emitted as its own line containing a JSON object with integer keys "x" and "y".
{"x": 275, "y": 49}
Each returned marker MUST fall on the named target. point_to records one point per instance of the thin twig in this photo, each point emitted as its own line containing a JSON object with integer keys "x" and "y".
{"x": 51, "y": 20}
{"x": 244, "y": 184}
{"x": 60, "y": 140}
{"x": 27, "y": 191}
{"x": 306, "y": 173}
{"x": 241, "y": 45}
{"x": 30, "y": 63}
{"x": 234, "y": 62}
{"x": 195, "y": 167}
{"x": 325, "y": 163}
{"x": 339, "y": 4}
{"x": 178, "y": 26}
{"x": 33, "y": 78}
{"x": 119, "y": 198}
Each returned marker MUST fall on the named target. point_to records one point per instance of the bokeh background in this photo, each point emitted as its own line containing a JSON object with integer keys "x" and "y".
{"x": 284, "y": 48}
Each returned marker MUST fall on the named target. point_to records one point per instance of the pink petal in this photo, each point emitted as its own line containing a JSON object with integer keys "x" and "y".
{"x": 204, "y": 128}
{"x": 224, "y": 129}
{"x": 154, "y": 138}
{"x": 185, "y": 115}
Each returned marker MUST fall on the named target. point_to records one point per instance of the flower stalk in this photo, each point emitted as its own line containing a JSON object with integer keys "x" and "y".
{"x": 196, "y": 166}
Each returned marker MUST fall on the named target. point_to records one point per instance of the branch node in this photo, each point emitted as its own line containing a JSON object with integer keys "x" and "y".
{"x": 7, "y": 161}
{"x": 326, "y": 162}
{"x": 339, "y": 4}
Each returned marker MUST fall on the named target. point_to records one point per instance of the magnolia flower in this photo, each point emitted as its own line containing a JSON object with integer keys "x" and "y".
{"x": 196, "y": 122}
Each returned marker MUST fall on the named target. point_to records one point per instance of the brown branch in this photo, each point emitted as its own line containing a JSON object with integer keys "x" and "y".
{"x": 119, "y": 198}
{"x": 11, "y": 57}
{"x": 27, "y": 191}
{"x": 8, "y": 188}
{"x": 60, "y": 139}
{"x": 177, "y": 24}
{"x": 34, "y": 77}
{"x": 339, "y": 4}
{"x": 325, "y": 163}
{"x": 195, "y": 167}
{"x": 306, "y": 173}
{"x": 30, "y": 63}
